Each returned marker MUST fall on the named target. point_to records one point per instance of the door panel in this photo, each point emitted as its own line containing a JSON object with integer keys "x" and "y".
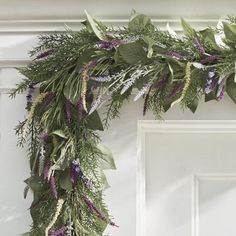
{"x": 190, "y": 172}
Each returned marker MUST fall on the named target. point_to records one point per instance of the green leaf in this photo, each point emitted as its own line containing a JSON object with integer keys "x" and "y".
{"x": 188, "y": 30}
{"x": 60, "y": 133}
{"x": 231, "y": 88}
{"x": 65, "y": 182}
{"x": 140, "y": 22}
{"x": 150, "y": 43}
{"x": 193, "y": 105}
{"x": 71, "y": 90}
{"x": 210, "y": 96}
{"x": 230, "y": 32}
{"x": 209, "y": 36}
{"x": 97, "y": 28}
{"x": 107, "y": 161}
{"x": 94, "y": 122}
{"x": 103, "y": 181}
{"x": 132, "y": 53}
{"x": 35, "y": 183}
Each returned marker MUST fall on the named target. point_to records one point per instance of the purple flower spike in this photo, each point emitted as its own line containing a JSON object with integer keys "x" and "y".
{"x": 221, "y": 93}
{"x": 99, "y": 214}
{"x": 68, "y": 110}
{"x": 59, "y": 232}
{"x": 175, "y": 54}
{"x": 48, "y": 100}
{"x": 109, "y": 45}
{"x": 92, "y": 207}
{"x": 80, "y": 109}
{"x": 53, "y": 186}
{"x": 29, "y": 95}
{"x": 176, "y": 90}
{"x": 43, "y": 54}
{"x": 46, "y": 170}
{"x": 211, "y": 82}
{"x": 76, "y": 170}
{"x": 209, "y": 59}
{"x": 198, "y": 46}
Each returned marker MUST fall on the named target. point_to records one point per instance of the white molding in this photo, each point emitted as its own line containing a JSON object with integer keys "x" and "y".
{"x": 174, "y": 126}
{"x": 59, "y": 25}
{"x": 196, "y": 193}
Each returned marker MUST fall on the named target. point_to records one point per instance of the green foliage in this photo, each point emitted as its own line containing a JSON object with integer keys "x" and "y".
{"x": 132, "y": 53}
{"x": 98, "y": 66}
{"x": 188, "y": 30}
{"x": 231, "y": 88}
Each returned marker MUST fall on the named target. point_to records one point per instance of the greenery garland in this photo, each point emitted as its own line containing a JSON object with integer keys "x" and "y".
{"x": 77, "y": 73}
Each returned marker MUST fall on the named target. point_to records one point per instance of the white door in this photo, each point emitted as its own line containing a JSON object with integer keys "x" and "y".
{"x": 188, "y": 171}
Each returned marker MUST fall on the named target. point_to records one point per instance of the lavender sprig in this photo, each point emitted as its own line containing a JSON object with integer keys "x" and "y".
{"x": 29, "y": 95}
{"x": 43, "y": 55}
{"x": 209, "y": 59}
{"x": 175, "y": 54}
{"x": 199, "y": 47}
{"x": 53, "y": 186}
{"x": 48, "y": 100}
{"x": 99, "y": 214}
{"x": 68, "y": 110}
{"x": 109, "y": 45}
{"x": 59, "y": 232}
{"x": 75, "y": 169}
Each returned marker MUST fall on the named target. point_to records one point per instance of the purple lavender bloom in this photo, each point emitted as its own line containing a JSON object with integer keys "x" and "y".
{"x": 89, "y": 65}
{"x": 92, "y": 207}
{"x": 43, "y": 54}
{"x": 160, "y": 83}
{"x": 221, "y": 92}
{"x": 80, "y": 108}
{"x": 109, "y": 45}
{"x": 211, "y": 82}
{"x": 175, "y": 54}
{"x": 209, "y": 59}
{"x": 68, "y": 110}
{"x": 59, "y": 232}
{"x": 76, "y": 170}
{"x": 176, "y": 90}
{"x": 99, "y": 214}
{"x": 29, "y": 95}
{"x": 48, "y": 100}
{"x": 53, "y": 186}
{"x": 44, "y": 137}
{"x": 46, "y": 170}
{"x": 198, "y": 45}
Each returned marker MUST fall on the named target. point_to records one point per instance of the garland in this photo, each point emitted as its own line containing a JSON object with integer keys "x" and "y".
{"x": 77, "y": 73}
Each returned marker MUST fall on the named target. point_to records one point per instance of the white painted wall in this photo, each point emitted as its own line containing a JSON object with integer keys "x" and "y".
{"x": 122, "y": 135}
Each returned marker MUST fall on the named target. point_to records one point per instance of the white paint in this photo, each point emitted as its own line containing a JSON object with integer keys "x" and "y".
{"x": 187, "y": 179}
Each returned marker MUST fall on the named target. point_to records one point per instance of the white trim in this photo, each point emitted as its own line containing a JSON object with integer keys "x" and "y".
{"x": 59, "y": 25}
{"x": 196, "y": 193}
{"x": 174, "y": 126}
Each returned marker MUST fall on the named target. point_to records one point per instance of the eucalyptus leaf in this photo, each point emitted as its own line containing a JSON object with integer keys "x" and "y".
{"x": 107, "y": 160}
{"x": 231, "y": 88}
{"x": 65, "y": 182}
{"x": 140, "y": 22}
{"x": 230, "y": 32}
{"x": 94, "y": 122}
{"x": 188, "y": 30}
{"x": 132, "y": 53}
{"x": 35, "y": 183}
{"x": 150, "y": 43}
{"x": 193, "y": 105}
{"x": 209, "y": 36}
{"x": 96, "y": 27}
